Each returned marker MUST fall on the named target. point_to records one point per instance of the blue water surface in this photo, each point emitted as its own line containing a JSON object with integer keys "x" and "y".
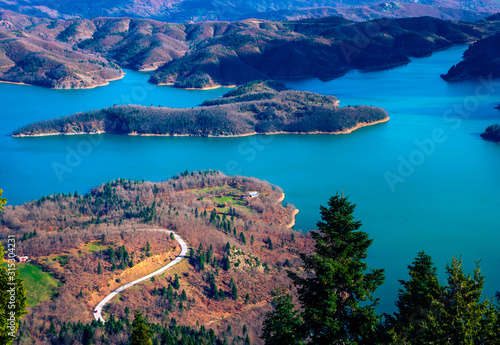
{"x": 425, "y": 180}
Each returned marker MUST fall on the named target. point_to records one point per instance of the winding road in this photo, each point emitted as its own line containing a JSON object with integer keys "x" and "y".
{"x": 184, "y": 248}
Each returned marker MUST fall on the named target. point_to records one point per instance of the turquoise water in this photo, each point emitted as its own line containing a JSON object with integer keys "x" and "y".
{"x": 444, "y": 200}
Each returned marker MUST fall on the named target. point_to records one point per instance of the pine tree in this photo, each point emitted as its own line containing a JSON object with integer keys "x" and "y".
{"x": 337, "y": 281}
{"x": 282, "y": 325}
{"x": 417, "y": 301}
{"x": 140, "y": 331}
{"x": 99, "y": 268}
{"x": 461, "y": 317}
{"x": 176, "y": 284}
{"x": 242, "y": 238}
{"x": 234, "y": 289}
{"x": 270, "y": 243}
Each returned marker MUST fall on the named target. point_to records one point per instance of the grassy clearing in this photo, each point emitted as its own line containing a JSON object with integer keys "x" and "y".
{"x": 40, "y": 285}
{"x": 93, "y": 247}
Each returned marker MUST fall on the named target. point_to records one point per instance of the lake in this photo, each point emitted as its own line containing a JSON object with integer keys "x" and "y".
{"x": 425, "y": 180}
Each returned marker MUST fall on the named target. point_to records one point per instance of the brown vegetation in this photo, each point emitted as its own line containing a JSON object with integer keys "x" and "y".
{"x": 216, "y": 53}
{"x": 249, "y": 244}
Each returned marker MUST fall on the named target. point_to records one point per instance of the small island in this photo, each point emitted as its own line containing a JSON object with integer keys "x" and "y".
{"x": 260, "y": 107}
{"x": 492, "y": 133}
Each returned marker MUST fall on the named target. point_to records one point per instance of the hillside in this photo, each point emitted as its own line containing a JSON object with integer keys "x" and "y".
{"x": 492, "y": 133}
{"x": 184, "y": 10}
{"x": 257, "y": 107}
{"x": 324, "y": 49}
{"x": 94, "y": 243}
{"x": 481, "y": 59}
{"x": 37, "y": 59}
{"x": 81, "y": 53}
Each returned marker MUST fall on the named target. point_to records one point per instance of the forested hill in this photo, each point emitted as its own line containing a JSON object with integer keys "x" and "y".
{"x": 83, "y": 53}
{"x": 257, "y": 107}
{"x": 492, "y": 133}
{"x": 482, "y": 59}
{"x": 240, "y": 249}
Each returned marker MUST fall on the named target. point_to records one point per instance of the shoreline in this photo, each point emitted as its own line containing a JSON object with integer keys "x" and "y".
{"x": 292, "y": 223}
{"x": 197, "y": 88}
{"x": 71, "y": 88}
{"x": 15, "y": 83}
{"x": 282, "y": 197}
{"x": 347, "y": 131}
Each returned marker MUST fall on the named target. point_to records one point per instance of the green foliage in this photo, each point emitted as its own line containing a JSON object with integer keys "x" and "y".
{"x": 141, "y": 334}
{"x": 67, "y": 33}
{"x": 283, "y": 324}
{"x": 418, "y": 300}
{"x": 2, "y": 201}
{"x": 460, "y": 316}
{"x": 334, "y": 295}
{"x": 176, "y": 283}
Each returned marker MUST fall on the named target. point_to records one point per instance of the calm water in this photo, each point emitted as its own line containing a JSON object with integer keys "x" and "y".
{"x": 423, "y": 181}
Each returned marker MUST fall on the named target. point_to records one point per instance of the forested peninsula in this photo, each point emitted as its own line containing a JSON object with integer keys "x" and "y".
{"x": 492, "y": 133}
{"x": 257, "y": 107}
{"x": 480, "y": 60}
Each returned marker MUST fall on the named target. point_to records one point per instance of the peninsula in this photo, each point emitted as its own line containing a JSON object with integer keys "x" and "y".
{"x": 481, "y": 59}
{"x": 260, "y": 107}
{"x": 492, "y": 133}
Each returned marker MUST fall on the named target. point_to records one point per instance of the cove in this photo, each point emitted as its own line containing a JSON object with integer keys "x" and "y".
{"x": 444, "y": 201}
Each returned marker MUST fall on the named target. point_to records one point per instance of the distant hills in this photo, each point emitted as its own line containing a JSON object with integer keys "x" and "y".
{"x": 85, "y": 53}
{"x": 185, "y": 10}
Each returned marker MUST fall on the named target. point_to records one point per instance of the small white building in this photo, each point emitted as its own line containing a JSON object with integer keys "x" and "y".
{"x": 253, "y": 194}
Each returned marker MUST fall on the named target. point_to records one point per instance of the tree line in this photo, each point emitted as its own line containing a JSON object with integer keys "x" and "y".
{"x": 337, "y": 306}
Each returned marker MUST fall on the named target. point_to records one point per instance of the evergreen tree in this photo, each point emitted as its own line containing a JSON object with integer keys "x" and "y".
{"x": 270, "y": 243}
{"x": 140, "y": 331}
{"x": 242, "y": 238}
{"x": 461, "y": 317}
{"x": 417, "y": 301}
{"x": 282, "y": 325}
{"x": 234, "y": 289}
{"x": 99, "y": 268}
{"x": 337, "y": 281}
{"x": 176, "y": 284}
